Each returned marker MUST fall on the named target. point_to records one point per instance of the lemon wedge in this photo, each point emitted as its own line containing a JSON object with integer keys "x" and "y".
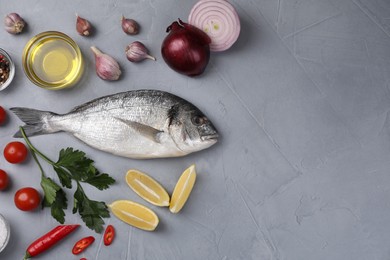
{"x": 147, "y": 188}
{"x": 134, "y": 214}
{"x": 182, "y": 190}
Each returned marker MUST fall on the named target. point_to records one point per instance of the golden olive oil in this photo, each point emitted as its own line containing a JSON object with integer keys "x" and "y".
{"x": 52, "y": 60}
{"x": 55, "y": 61}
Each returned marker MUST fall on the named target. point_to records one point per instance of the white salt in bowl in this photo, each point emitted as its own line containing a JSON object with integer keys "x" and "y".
{"x": 4, "y": 232}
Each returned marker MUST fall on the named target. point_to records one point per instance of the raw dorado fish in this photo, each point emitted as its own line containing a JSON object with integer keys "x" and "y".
{"x": 137, "y": 124}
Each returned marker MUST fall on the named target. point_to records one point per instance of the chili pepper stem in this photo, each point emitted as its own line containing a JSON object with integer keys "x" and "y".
{"x": 26, "y": 256}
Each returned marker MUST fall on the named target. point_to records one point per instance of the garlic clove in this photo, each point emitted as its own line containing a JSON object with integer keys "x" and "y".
{"x": 83, "y": 26}
{"x": 107, "y": 68}
{"x": 136, "y": 51}
{"x": 14, "y": 24}
{"x": 129, "y": 26}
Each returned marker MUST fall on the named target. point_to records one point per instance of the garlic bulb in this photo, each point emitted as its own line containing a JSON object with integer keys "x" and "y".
{"x": 14, "y": 24}
{"x": 83, "y": 26}
{"x": 130, "y": 26}
{"x": 136, "y": 51}
{"x": 107, "y": 68}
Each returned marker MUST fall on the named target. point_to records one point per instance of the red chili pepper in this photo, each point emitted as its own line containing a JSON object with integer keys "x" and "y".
{"x": 49, "y": 239}
{"x": 109, "y": 235}
{"x": 82, "y": 244}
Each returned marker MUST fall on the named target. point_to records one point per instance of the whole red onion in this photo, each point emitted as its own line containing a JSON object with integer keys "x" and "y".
{"x": 186, "y": 49}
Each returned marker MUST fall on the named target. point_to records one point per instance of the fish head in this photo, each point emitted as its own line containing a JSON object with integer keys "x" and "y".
{"x": 192, "y": 130}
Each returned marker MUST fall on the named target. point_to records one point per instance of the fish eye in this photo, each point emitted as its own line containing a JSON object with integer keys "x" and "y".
{"x": 198, "y": 120}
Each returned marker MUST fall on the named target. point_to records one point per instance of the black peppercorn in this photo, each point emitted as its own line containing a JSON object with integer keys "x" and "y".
{"x": 4, "y": 69}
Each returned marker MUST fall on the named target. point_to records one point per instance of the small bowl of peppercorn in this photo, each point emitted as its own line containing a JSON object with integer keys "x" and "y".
{"x": 7, "y": 69}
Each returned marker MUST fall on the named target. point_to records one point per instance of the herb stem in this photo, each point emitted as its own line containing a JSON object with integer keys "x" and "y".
{"x": 79, "y": 185}
{"x": 37, "y": 161}
{"x": 35, "y": 150}
{"x": 72, "y": 165}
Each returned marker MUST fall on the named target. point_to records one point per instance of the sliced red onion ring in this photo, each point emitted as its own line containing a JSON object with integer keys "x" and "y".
{"x": 219, "y": 20}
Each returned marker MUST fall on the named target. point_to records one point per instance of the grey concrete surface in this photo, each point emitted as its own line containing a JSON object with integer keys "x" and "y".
{"x": 302, "y": 101}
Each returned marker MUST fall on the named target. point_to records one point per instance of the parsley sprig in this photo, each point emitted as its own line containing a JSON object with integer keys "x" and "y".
{"x": 73, "y": 166}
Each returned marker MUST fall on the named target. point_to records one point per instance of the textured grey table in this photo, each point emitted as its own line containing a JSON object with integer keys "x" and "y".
{"x": 302, "y": 170}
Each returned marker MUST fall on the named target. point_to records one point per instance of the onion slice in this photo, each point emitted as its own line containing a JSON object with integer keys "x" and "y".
{"x": 219, "y": 20}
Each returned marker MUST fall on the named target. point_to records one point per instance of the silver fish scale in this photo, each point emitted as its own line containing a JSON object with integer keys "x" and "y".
{"x": 140, "y": 98}
{"x": 135, "y": 124}
{"x": 144, "y": 106}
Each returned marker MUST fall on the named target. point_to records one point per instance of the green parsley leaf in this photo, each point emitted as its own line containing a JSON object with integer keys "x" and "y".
{"x": 101, "y": 181}
{"x": 50, "y": 189}
{"x": 58, "y": 206}
{"x": 73, "y": 165}
{"x": 64, "y": 176}
{"x": 92, "y": 212}
{"x": 55, "y": 198}
{"x": 76, "y": 163}
{"x": 72, "y": 158}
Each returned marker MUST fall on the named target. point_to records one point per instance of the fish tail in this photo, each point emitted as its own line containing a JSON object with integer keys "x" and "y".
{"x": 36, "y": 121}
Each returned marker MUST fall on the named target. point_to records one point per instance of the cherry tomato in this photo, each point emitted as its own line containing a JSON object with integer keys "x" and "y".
{"x": 82, "y": 244}
{"x": 4, "y": 180}
{"x": 27, "y": 199}
{"x": 109, "y": 235}
{"x": 15, "y": 152}
{"x": 3, "y": 115}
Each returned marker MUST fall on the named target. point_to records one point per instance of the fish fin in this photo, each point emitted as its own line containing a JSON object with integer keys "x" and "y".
{"x": 145, "y": 130}
{"x": 34, "y": 121}
{"x": 173, "y": 113}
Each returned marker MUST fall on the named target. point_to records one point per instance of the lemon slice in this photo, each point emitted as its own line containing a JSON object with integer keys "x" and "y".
{"x": 147, "y": 188}
{"x": 135, "y": 214}
{"x": 182, "y": 190}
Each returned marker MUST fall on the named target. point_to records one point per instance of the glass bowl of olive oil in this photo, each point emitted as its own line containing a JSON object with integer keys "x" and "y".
{"x": 52, "y": 60}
